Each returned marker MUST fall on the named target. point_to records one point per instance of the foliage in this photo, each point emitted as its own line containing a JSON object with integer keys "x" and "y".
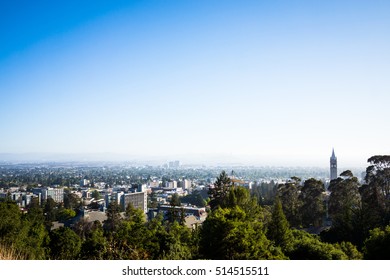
{"x": 345, "y": 209}
{"x": 50, "y": 209}
{"x": 228, "y": 233}
{"x": 114, "y": 219}
{"x": 10, "y": 221}
{"x": 220, "y": 191}
{"x": 26, "y": 234}
{"x": 36, "y": 241}
{"x": 377, "y": 245}
{"x": 96, "y": 195}
{"x": 312, "y": 203}
{"x": 350, "y": 250}
{"x": 376, "y": 193}
{"x": 95, "y": 245}
{"x": 157, "y": 232}
{"x": 176, "y": 214}
{"x": 175, "y": 200}
{"x": 177, "y": 243}
{"x": 279, "y": 228}
{"x": 309, "y": 247}
{"x": 289, "y": 196}
{"x": 265, "y": 192}
{"x": 65, "y": 214}
{"x": 195, "y": 199}
{"x": 65, "y": 244}
{"x": 71, "y": 200}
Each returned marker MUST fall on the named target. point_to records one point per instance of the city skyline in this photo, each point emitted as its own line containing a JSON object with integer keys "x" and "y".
{"x": 276, "y": 83}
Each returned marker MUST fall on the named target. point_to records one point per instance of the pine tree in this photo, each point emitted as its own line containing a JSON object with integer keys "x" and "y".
{"x": 279, "y": 228}
{"x": 220, "y": 191}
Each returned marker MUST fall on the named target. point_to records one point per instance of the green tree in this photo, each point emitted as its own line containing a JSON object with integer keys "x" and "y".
{"x": 195, "y": 199}
{"x": 279, "y": 228}
{"x": 66, "y": 214}
{"x": 376, "y": 192}
{"x": 129, "y": 238}
{"x": 83, "y": 228}
{"x": 155, "y": 241}
{"x": 135, "y": 215}
{"x": 114, "y": 219}
{"x": 378, "y": 173}
{"x": 345, "y": 209}
{"x": 220, "y": 190}
{"x": 37, "y": 238}
{"x": 312, "y": 203}
{"x": 377, "y": 245}
{"x": 350, "y": 250}
{"x": 71, "y": 200}
{"x": 306, "y": 246}
{"x": 177, "y": 243}
{"x": 10, "y": 222}
{"x": 65, "y": 244}
{"x": 175, "y": 200}
{"x": 95, "y": 245}
{"x": 96, "y": 195}
{"x": 50, "y": 209}
{"x": 24, "y": 233}
{"x": 228, "y": 233}
{"x": 291, "y": 203}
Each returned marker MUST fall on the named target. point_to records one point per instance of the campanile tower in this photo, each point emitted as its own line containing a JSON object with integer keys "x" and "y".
{"x": 333, "y": 166}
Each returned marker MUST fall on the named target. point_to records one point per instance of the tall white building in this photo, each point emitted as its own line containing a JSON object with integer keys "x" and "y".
{"x": 171, "y": 184}
{"x": 186, "y": 184}
{"x": 57, "y": 194}
{"x": 174, "y": 164}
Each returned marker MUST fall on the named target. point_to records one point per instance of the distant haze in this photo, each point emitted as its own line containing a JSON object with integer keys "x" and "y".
{"x": 205, "y": 159}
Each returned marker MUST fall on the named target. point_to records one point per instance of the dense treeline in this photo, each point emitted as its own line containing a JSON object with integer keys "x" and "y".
{"x": 361, "y": 213}
{"x": 238, "y": 226}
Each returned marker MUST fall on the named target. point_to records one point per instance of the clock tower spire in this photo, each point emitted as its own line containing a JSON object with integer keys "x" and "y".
{"x": 333, "y": 166}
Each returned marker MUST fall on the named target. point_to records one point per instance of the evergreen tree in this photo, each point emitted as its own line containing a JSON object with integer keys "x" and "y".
{"x": 350, "y": 250}
{"x": 220, "y": 191}
{"x": 312, "y": 203}
{"x": 306, "y": 246}
{"x": 95, "y": 244}
{"x": 114, "y": 218}
{"x": 228, "y": 233}
{"x": 345, "y": 210}
{"x": 177, "y": 243}
{"x": 279, "y": 228}
{"x": 376, "y": 193}
{"x": 377, "y": 245}
{"x": 175, "y": 200}
{"x": 291, "y": 203}
{"x": 65, "y": 244}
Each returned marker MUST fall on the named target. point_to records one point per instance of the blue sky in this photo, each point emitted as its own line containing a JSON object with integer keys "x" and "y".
{"x": 267, "y": 82}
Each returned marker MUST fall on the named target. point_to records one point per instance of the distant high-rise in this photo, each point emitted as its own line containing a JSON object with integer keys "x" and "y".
{"x": 174, "y": 164}
{"x": 333, "y": 166}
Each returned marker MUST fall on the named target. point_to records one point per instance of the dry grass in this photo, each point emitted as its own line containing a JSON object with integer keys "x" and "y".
{"x": 9, "y": 253}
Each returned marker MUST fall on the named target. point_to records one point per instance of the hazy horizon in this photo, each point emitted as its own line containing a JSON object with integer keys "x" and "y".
{"x": 185, "y": 160}
{"x": 252, "y": 82}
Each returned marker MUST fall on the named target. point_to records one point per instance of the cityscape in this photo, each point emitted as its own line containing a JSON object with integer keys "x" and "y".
{"x": 87, "y": 198}
{"x": 194, "y": 130}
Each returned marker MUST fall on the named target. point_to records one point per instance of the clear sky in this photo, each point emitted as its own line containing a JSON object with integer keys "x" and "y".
{"x": 268, "y": 82}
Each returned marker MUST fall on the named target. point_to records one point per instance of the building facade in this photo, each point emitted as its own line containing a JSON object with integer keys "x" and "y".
{"x": 138, "y": 200}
